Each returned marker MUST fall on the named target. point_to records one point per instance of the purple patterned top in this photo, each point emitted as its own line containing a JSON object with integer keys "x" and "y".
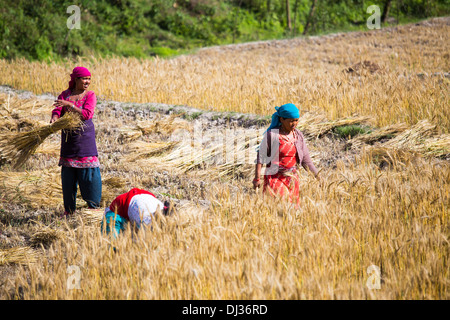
{"x": 78, "y": 149}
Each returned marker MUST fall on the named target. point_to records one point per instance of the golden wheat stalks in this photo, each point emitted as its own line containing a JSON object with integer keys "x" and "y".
{"x": 383, "y": 156}
{"x": 437, "y": 146}
{"x": 48, "y": 147}
{"x": 115, "y": 182}
{"x": 129, "y": 134}
{"x": 17, "y": 255}
{"x": 164, "y": 126}
{"x": 186, "y": 157}
{"x": 18, "y": 147}
{"x": 141, "y": 149}
{"x": 15, "y": 125}
{"x": 167, "y": 125}
{"x": 226, "y": 155}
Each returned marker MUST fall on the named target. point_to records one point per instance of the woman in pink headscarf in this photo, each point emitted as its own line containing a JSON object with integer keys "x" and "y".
{"x": 79, "y": 157}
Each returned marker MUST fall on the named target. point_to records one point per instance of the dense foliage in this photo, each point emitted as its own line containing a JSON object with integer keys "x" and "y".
{"x": 39, "y": 29}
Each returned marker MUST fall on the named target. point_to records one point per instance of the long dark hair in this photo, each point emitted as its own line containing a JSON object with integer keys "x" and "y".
{"x": 169, "y": 208}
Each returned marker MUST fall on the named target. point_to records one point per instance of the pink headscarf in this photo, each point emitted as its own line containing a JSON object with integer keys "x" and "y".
{"x": 78, "y": 72}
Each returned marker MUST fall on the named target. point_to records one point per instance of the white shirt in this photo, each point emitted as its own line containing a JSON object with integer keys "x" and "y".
{"x": 142, "y": 207}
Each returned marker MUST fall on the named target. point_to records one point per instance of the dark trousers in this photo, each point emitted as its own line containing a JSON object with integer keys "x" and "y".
{"x": 90, "y": 183}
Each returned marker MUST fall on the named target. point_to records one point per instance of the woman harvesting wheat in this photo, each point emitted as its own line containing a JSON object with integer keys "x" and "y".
{"x": 79, "y": 157}
{"x": 282, "y": 149}
{"x": 137, "y": 206}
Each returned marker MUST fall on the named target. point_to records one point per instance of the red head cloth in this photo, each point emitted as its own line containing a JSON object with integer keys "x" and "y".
{"x": 78, "y": 72}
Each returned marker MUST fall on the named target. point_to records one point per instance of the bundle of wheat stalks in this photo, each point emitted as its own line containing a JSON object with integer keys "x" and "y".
{"x": 45, "y": 235}
{"x": 18, "y": 147}
{"x": 92, "y": 216}
{"x": 316, "y": 125}
{"x": 163, "y": 126}
{"x": 18, "y": 255}
{"x": 421, "y": 138}
{"x": 370, "y": 138}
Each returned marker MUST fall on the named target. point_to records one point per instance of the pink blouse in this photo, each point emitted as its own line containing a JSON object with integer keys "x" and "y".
{"x": 87, "y": 103}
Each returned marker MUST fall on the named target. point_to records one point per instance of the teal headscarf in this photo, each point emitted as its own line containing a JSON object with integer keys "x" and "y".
{"x": 288, "y": 111}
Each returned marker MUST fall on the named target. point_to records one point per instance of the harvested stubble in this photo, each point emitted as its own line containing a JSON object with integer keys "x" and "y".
{"x": 39, "y": 188}
{"x": 112, "y": 187}
{"x": 18, "y": 147}
{"x": 45, "y": 235}
{"x": 363, "y": 67}
{"x": 17, "y": 255}
{"x": 92, "y": 216}
{"x": 14, "y": 107}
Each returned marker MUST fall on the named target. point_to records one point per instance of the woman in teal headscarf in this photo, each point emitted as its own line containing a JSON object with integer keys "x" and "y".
{"x": 283, "y": 149}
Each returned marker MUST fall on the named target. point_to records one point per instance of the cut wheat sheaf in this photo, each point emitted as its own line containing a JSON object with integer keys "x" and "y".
{"x": 17, "y": 147}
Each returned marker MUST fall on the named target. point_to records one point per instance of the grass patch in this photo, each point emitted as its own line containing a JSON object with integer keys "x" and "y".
{"x": 164, "y": 52}
{"x": 193, "y": 115}
{"x": 352, "y": 130}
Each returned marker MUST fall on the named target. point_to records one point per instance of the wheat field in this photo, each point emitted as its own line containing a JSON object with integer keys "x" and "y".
{"x": 383, "y": 201}
{"x": 253, "y": 78}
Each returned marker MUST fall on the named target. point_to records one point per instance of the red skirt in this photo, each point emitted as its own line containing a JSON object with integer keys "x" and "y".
{"x": 284, "y": 185}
